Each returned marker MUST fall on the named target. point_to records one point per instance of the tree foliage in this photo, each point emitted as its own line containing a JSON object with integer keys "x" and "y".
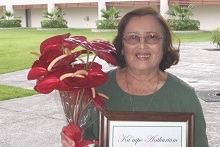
{"x": 181, "y": 12}
{"x": 56, "y": 19}
{"x": 9, "y": 20}
{"x": 111, "y": 14}
{"x": 111, "y": 18}
{"x": 7, "y": 15}
{"x": 216, "y": 37}
{"x": 181, "y": 18}
{"x": 55, "y": 14}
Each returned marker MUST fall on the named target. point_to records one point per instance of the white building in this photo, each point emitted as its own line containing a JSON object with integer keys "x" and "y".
{"x": 84, "y": 13}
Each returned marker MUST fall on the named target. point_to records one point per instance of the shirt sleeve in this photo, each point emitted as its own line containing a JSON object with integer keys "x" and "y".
{"x": 193, "y": 105}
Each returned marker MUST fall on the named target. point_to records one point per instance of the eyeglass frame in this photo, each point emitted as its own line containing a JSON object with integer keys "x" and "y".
{"x": 145, "y": 38}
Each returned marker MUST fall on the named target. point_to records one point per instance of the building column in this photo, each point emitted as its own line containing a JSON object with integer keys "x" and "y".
{"x": 9, "y": 7}
{"x": 50, "y": 6}
{"x": 164, "y": 7}
{"x": 101, "y": 5}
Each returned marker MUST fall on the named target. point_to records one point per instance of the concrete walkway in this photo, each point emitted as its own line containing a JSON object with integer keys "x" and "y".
{"x": 36, "y": 121}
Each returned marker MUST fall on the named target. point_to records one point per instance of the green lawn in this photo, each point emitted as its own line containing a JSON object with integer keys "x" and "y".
{"x": 195, "y": 37}
{"x": 16, "y": 45}
{"x": 11, "y": 92}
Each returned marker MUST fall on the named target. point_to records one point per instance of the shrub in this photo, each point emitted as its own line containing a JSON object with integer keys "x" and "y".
{"x": 110, "y": 20}
{"x": 8, "y": 15}
{"x": 61, "y": 23}
{"x": 215, "y": 39}
{"x": 11, "y": 23}
{"x": 181, "y": 18}
{"x": 55, "y": 19}
{"x": 181, "y": 12}
{"x": 55, "y": 14}
{"x": 184, "y": 25}
{"x": 107, "y": 24}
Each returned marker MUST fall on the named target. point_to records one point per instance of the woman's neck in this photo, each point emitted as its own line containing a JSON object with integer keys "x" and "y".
{"x": 139, "y": 83}
{"x": 140, "y": 75}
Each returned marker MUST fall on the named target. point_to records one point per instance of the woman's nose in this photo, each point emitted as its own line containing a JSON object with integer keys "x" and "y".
{"x": 142, "y": 43}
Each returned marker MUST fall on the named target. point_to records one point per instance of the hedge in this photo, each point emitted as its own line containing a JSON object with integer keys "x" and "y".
{"x": 54, "y": 23}
{"x": 11, "y": 23}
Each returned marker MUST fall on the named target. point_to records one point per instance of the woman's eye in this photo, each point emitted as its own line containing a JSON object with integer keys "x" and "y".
{"x": 152, "y": 36}
{"x": 134, "y": 37}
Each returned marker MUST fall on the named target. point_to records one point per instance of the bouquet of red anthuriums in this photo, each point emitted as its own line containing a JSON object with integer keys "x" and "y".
{"x": 60, "y": 68}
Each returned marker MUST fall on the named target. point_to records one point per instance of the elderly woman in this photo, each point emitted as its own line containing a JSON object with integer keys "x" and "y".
{"x": 144, "y": 51}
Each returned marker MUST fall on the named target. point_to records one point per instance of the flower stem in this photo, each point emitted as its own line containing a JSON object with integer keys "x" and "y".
{"x": 70, "y": 97}
{"x": 80, "y": 105}
{"x": 87, "y": 60}
{"x": 64, "y": 104}
{"x": 92, "y": 61}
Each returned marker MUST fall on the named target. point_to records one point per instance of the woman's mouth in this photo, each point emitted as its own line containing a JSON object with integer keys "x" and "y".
{"x": 142, "y": 56}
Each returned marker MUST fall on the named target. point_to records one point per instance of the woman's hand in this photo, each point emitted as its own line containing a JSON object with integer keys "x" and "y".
{"x": 66, "y": 141}
{"x": 74, "y": 137}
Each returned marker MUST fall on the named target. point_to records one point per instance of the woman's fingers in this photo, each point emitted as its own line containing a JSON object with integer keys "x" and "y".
{"x": 66, "y": 141}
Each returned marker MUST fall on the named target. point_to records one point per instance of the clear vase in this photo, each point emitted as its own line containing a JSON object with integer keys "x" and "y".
{"x": 77, "y": 109}
{"x": 75, "y": 104}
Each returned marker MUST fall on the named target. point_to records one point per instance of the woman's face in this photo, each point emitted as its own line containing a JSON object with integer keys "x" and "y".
{"x": 140, "y": 55}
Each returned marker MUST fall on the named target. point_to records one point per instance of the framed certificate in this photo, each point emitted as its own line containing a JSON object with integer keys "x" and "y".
{"x": 146, "y": 129}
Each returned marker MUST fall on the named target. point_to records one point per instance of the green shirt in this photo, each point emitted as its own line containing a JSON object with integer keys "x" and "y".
{"x": 174, "y": 96}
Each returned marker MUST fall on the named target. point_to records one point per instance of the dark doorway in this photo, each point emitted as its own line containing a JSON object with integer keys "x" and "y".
{"x": 28, "y": 17}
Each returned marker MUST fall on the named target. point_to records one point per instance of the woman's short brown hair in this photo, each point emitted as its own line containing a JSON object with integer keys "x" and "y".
{"x": 170, "y": 53}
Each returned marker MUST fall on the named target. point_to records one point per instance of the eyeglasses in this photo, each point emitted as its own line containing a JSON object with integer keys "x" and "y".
{"x": 151, "y": 38}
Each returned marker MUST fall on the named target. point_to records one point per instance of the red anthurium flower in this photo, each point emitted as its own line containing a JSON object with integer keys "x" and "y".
{"x": 47, "y": 85}
{"x": 36, "y": 72}
{"x": 76, "y": 78}
{"x": 108, "y": 57}
{"x": 98, "y": 101}
{"x": 95, "y": 45}
{"x": 95, "y": 77}
{"x": 59, "y": 68}
{"x": 87, "y": 66}
{"x": 74, "y": 132}
{"x": 69, "y": 59}
{"x": 94, "y": 65}
{"x": 47, "y": 58}
{"x": 102, "y": 46}
{"x": 51, "y": 81}
{"x": 39, "y": 68}
{"x": 76, "y": 40}
{"x": 53, "y": 43}
{"x": 85, "y": 143}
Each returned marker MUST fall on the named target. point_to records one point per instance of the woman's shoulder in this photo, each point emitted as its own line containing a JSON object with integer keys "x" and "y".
{"x": 179, "y": 91}
{"x": 176, "y": 82}
{"x": 111, "y": 80}
{"x": 111, "y": 74}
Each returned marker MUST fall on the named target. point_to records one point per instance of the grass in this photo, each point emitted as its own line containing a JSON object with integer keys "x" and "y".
{"x": 195, "y": 37}
{"x": 16, "y": 45}
{"x": 11, "y": 92}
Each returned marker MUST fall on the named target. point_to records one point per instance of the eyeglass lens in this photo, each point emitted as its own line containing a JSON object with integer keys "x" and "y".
{"x": 151, "y": 38}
